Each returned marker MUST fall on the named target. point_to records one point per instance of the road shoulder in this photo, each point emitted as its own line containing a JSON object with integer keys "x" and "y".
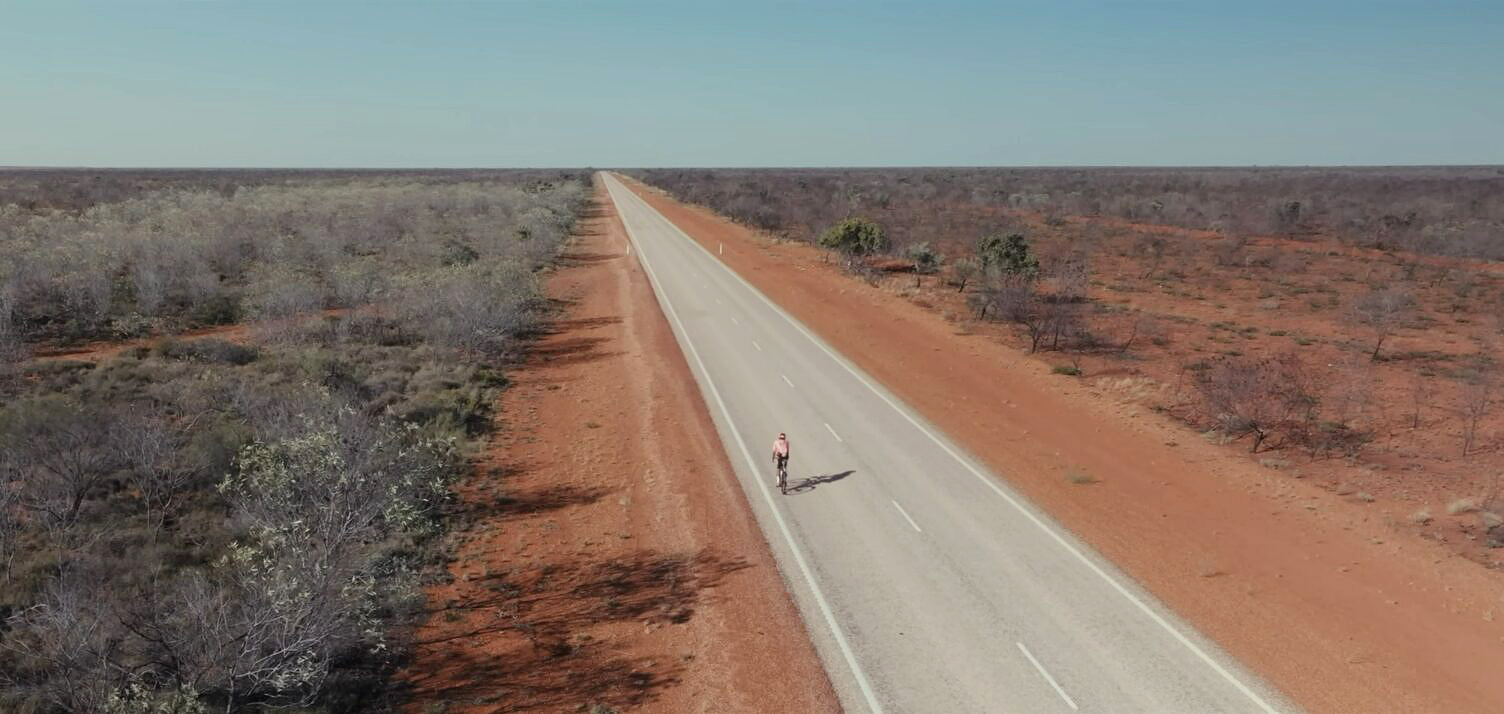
{"x": 608, "y": 557}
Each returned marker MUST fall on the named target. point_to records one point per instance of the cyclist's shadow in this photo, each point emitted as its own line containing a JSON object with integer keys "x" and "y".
{"x": 806, "y": 485}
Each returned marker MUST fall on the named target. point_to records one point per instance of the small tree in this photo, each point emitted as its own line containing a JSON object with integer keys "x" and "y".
{"x": 1008, "y": 254}
{"x": 1382, "y": 310}
{"x": 855, "y": 236}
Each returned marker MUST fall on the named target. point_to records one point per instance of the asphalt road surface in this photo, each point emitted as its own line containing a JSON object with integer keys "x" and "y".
{"x": 927, "y": 584}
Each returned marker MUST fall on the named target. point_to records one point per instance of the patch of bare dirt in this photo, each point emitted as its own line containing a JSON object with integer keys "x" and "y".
{"x": 106, "y": 349}
{"x": 607, "y": 559}
{"x": 1335, "y": 602}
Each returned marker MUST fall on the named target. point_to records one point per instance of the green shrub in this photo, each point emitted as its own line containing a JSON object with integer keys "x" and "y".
{"x": 926, "y": 259}
{"x": 855, "y": 236}
{"x": 1008, "y": 254}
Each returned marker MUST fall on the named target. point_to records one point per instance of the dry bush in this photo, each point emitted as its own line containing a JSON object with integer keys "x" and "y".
{"x": 137, "y": 575}
{"x": 1479, "y": 391}
{"x": 1266, "y": 398}
{"x": 475, "y": 307}
{"x": 60, "y": 452}
{"x": 316, "y": 510}
{"x": 1438, "y": 210}
{"x": 1382, "y": 311}
{"x": 186, "y": 258}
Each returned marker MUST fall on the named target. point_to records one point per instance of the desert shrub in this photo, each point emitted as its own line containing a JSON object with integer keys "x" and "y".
{"x": 926, "y": 259}
{"x": 60, "y": 453}
{"x": 207, "y": 350}
{"x": 268, "y": 252}
{"x": 220, "y": 309}
{"x": 1260, "y": 397}
{"x": 1441, "y": 210}
{"x": 203, "y": 525}
{"x": 479, "y": 306}
{"x": 1382, "y": 311}
{"x": 1008, "y": 254}
{"x": 855, "y": 237}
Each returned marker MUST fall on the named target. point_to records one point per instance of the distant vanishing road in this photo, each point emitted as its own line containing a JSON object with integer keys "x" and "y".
{"x": 927, "y": 584}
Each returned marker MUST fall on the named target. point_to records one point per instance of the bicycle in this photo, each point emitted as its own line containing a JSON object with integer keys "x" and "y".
{"x": 783, "y": 476}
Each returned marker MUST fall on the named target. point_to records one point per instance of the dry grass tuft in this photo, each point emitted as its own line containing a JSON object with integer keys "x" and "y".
{"x": 1462, "y": 505}
{"x": 1079, "y": 477}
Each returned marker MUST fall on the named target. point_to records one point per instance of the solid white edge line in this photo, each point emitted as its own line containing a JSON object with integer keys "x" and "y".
{"x": 783, "y": 528}
{"x": 906, "y": 516}
{"x": 833, "y": 432}
{"x": 1119, "y": 587}
{"x": 1047, "y": 677}
{"x": 786, "y": 380}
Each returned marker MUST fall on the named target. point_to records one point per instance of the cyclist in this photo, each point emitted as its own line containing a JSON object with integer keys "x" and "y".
{"x": 781, "y": 455}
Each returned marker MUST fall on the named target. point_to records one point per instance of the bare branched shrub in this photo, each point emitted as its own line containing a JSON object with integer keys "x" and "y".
{"x": 152, "y": 451}
{"x": 1382, "y": 311}
{"x": 1479, "y": 391}
{"x": 474, "y": 307}
{"x": 1263, "y": 398}
{"x": 12, "y": 350}
{"x": 11, "y": 522}
{"x": 1151, "y": 250}
{"x": 60, "y": 452}
{"x": 188, "y": 257}
{"x": 60, "y": 648}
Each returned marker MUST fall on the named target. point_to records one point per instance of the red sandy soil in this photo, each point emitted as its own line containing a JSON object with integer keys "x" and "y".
{"x": 607, "y": 559}
{"x": 1333, "y": 603}
{"x": 239, "y": 333}
{"x": 103, "y": 350}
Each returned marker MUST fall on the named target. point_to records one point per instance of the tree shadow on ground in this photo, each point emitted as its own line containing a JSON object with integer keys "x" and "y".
{"x": 503, "y": 504}
{"x": 527, "y": 639}
{"x": 574, "y": 350}
{"x": 581, "y": 258}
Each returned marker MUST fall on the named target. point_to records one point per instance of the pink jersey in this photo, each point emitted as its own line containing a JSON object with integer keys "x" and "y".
{"x": 780, "y": 447}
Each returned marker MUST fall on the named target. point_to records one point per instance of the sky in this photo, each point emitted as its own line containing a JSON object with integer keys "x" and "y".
{"x": 635, "y": 84}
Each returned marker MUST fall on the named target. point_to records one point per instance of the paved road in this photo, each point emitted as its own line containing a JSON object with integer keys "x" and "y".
{"x": 927, "y": 584}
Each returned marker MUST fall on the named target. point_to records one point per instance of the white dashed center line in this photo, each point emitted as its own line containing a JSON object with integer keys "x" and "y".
{"x": 786, "y": 380}
{"x": 1047, "y": 676}
{"x": 754, "y": 344}
{"x": 833, "y": 432}
{"x": 906, "y": 516}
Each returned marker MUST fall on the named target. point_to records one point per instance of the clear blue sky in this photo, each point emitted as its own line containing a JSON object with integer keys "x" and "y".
{"x": 558, "y": 83}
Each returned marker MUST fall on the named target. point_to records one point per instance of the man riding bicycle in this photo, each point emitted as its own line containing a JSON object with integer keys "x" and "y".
{"x": 781, "y": 457}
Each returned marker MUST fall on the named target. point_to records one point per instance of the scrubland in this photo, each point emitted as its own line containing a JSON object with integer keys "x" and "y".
{"x": 1338, "y": 325}
{"x": 231, "y": 406}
